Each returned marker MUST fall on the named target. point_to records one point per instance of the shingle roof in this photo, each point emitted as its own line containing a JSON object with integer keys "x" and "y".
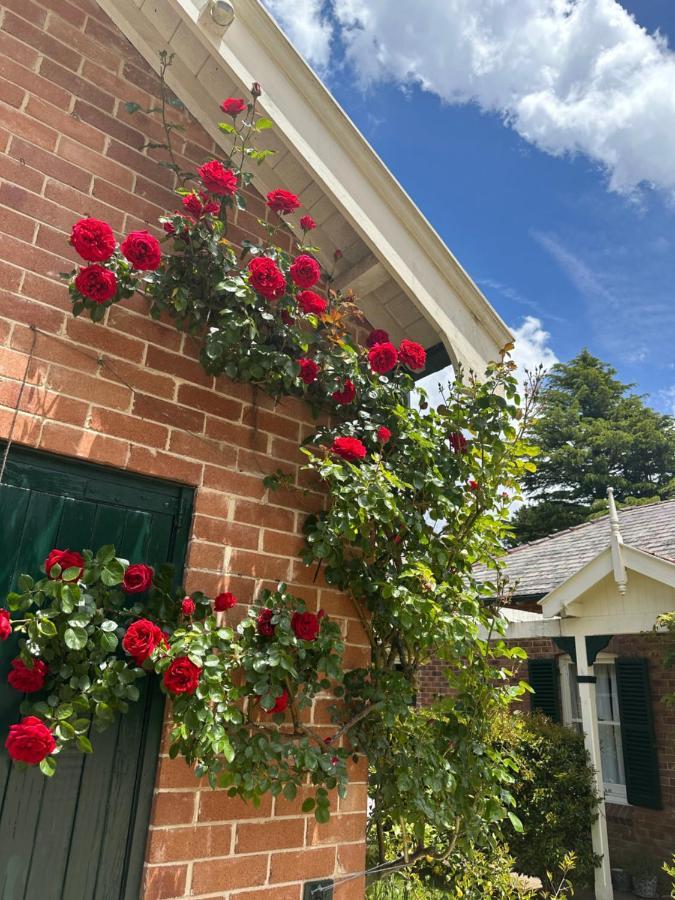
{"x": 536, "y": 568}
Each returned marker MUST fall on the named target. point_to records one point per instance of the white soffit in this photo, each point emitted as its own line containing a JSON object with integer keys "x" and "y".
{"x": 407, "y": 279}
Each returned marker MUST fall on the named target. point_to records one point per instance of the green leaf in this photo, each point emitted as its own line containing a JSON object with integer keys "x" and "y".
{"x": 25, "y": 583}
{"x": 48, "y": 766}
{"x": 71, "y": 574}
{"x": 226, "y": 127}
{"x": 308, "y": 804}
{"x": 75, "y": 638}
{"x": 290, "y": 791}
{"x": 132, "y": 107}
{"x": 264, "y": 124}
{"x": 84, "y": 744}
{"x": 105, "y": 554}
{"x": 515, "y": 821}
{"x": 322, "y": 814}
{"x": 46, "y": 627}
{"x": 108, "y": 625}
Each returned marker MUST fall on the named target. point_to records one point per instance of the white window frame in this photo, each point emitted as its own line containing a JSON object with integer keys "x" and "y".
{"x": 614, "y": 793}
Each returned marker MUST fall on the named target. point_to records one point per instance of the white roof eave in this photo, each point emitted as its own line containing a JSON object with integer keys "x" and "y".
{"x": 329, "y": 147}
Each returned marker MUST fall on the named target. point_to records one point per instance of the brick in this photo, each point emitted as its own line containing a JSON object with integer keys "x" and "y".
{"x": 16, "y": 73}
{"x": 113, "y": 83}
{"x": 13, "y": 365}
{"x": 173, "y": 807}
{"x": 14, "y": 223}
{"x": 206, "y": 556}
{"x": 176, "y": 773}
{"x": 94, "y": 163}
{"x": 217, "y": 404}
{"x": 18, "y": 123}
{"x": 91, "y": 335}
{"x": 302, "y": 866}
{"x": 10, "y": 276}
{"x": 168, "y": 413}
{"x": 67, "y": 11}
{"x": 21, "y": 201}
{"x": 232, "y": 433}
{"x": 95, "y": 390}
{"x": 11, "y": 48}
{"x": 217, "y": 806}
{"x": 161, "y": 197}
{"x": 128, "y": 427}
{"x": 163, "y": 465}
{"x": 212, "y": 503}
{"x": 123, "y": 200}
{"x": 48, "y": 349}
{"x": 108, "y": 124}
{"x": 267, "y": 421}
{"x": 138, "y": 162}
{"x": 16, "y": 172}
{"x": 276, "y": 542}
{"x": 244, "y": 562}
{"x": 202, "y": 448}
{"x": 43, "y": 403}
{"x": 339, "y": 828}
{"x": 220, "y": 875}
{"x": 31, "y": 12}
{"x": 76, "y": 85}
{"x": 40, "y": 40}
{"x": 42, "y": 161}
{"x": 274, "y": 835}
{"x": 192, "y": 842}
{"x": 162, "y": 882}
{"x": 75, "y": 442}
{"x": 227, "y": 533}
{"x": 65, "y": 123}
{"x": 24, "y": 429}
{"x": 11, "y": 94}
{"x": 56, "y": 242}
{"x": 82, "y": 44}
{"x": 264, "y": 514}
{"x": 138, "y": 377}
{"x": 107, "y": 37}
{"x": 356, "y": 799}
{"x": 82, "y": 205}
{"x": 233, "y": 482}
{"x": 144, "y": 78}
{"x": 286, "y": 892}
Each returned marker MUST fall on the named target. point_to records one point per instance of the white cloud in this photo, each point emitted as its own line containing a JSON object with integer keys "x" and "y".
{"x": 667, "y": 398}
{"x": 532, "y": 346}
{"x": 307, "y": 26}
{"x": 570, "y": 76}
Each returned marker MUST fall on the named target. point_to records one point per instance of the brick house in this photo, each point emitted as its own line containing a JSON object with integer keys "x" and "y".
{"x": 584, "y": 604}
{"x": 116, "y": 434}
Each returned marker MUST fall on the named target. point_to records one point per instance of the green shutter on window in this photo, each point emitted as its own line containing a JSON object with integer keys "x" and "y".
{"x": 637, "y": 733}
{"x": 543, "y": 678}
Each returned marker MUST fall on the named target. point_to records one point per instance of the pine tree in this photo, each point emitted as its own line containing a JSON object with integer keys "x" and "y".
{"x": 593, "y": 433}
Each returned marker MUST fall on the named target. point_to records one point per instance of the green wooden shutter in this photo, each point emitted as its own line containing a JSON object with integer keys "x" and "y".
{"x": 81, "y": 835}
{"x": 543, "y": 678}
{"x": 637, "y": 733}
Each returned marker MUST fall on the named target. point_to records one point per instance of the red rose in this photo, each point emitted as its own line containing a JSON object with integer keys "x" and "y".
{"x": 5, "y": 625}
{"x": 307, "y": 223}
{"x": 137, "y": 578}
{"x": 473, "y": 484}
{"x": 305, "y": 625}
{"x": 382, "y": 357}
{"x": 233, "y": 106}
{"x": 287, "y": 318}
{"x": 188, "y": 606}
{"x": 412, "y": 355}
{"x": 182, "y": 676}
{"x": 311, "y": 303}
{"x": 217, "y": 179}
{"x": 346, "y": 395}
{"x": 93, "y": 240}
{"x": 224, "y": 601}
{"x": 142, "y": 250}
{"x": 378, "y": 336}
{"x": 67, "y": 559}
{"x": 27, "y": 680}
{"x": 30, "y": 741}
{"x": 282, "y": 202}
{"x": 281, "y": 703}
{"x": 383, "y": 434}
{"x": 198, "y": 206}
{"x": 458, "y": 442}
{"x": 305, "y": 271}
{"x": 141, "y": 639}
{"x": 308, "y": 370}
{"x": 266, "y": 278}
{"x": 264, "y": 623}
{"x": 97, "y": 283}
{"x": 349, "y": 448}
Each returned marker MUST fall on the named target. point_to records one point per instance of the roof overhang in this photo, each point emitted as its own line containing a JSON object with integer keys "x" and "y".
{"x": 405, "y": 278}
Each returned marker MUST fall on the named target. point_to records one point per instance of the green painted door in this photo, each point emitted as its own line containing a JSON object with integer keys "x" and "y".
{"x": 81, "y": 834}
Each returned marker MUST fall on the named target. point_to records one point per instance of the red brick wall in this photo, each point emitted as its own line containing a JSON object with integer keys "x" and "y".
{"x": 131, "y": 394}
{"x": 633, "y": 830}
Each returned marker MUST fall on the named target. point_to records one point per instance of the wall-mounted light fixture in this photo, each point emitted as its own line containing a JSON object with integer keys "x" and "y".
{"x": 219, "y": 13}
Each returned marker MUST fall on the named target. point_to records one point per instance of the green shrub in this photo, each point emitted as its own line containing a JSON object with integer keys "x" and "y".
{"x": 555, "y": 798}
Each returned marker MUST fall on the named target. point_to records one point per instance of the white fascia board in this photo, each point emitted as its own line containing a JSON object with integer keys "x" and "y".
{"x": 560, "y": 600}
{"x": 338, "y": 158}
{"x": 654, "y": 567}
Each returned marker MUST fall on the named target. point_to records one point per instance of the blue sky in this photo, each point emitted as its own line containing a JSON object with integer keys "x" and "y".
{"x": 583, "y": 241}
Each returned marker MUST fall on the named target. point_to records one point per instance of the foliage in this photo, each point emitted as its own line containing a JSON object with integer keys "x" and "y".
{"x": 593, "y": 434}
{"x": 554, "y": 795}
{"x": 417, "y": 498}
{"x": 670, "y": 872}
{"x": 221, "y": 726}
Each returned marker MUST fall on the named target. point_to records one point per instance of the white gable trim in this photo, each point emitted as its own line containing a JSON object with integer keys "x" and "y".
{"x": 330, "y": 148}
{"x": 567, "y": 598}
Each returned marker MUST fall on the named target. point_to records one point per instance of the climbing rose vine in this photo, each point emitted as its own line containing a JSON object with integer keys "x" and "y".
{"x": 418, "y": 496}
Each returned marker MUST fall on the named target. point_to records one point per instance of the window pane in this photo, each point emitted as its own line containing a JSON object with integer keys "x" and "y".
{"x": 575, "y": 703}
{"x": 610, "y": 754}
{"x": 605, "y": 693}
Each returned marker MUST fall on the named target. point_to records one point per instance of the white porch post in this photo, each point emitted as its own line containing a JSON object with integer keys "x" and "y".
{"x": 589, "y": 717}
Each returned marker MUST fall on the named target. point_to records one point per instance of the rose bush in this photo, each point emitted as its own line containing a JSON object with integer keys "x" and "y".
{"x": 418, "y": 496}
